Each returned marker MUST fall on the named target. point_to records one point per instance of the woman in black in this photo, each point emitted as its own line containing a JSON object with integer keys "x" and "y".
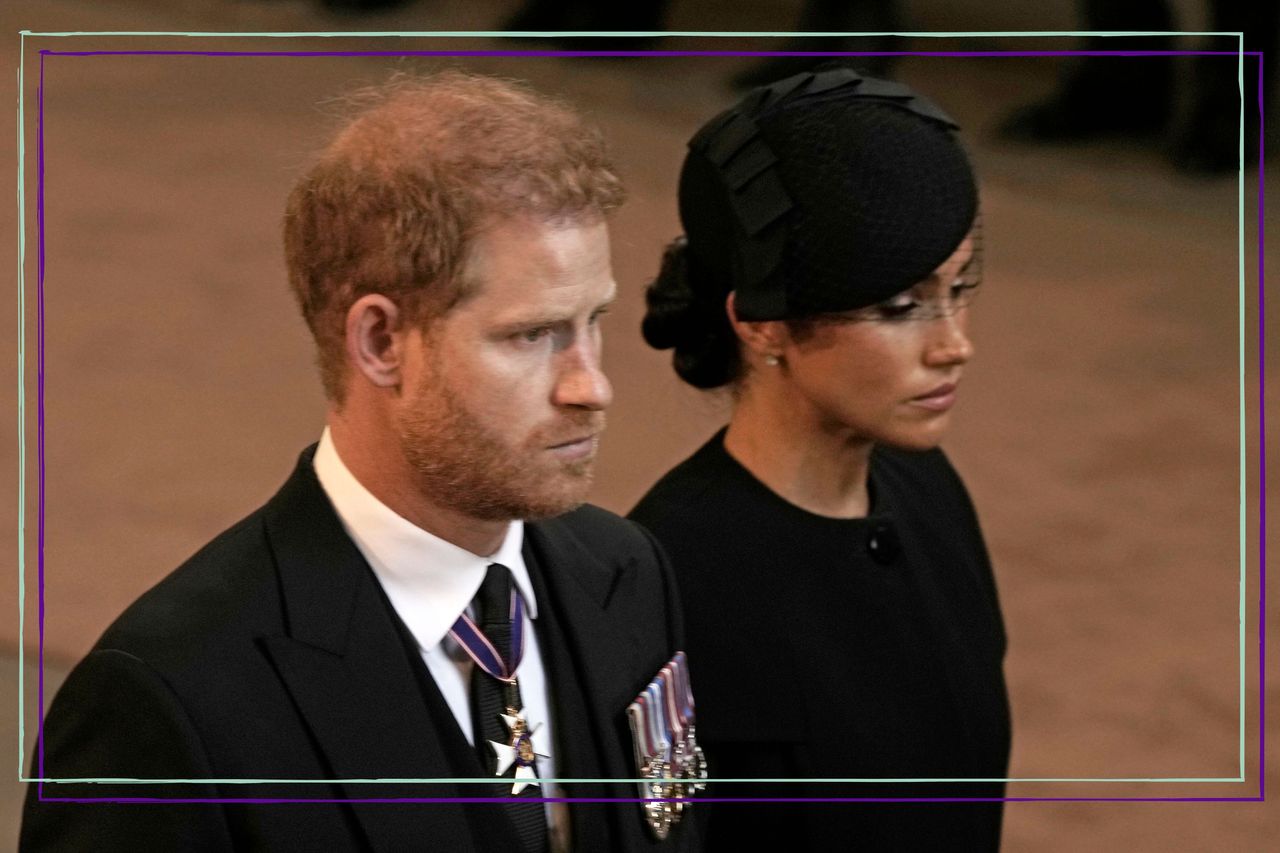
{"x": 841, "y": 613}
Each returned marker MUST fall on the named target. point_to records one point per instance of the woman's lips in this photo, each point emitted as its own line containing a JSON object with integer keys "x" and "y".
{"x": 938, "y": 400}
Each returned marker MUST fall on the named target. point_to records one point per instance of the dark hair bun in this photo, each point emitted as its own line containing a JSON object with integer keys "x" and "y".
{"x": 697, "y": 328}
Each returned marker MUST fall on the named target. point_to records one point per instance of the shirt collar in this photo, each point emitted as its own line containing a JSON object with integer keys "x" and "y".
{"x": 430, "y": 581}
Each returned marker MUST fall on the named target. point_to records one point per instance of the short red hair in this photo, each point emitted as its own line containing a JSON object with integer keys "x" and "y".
{"x": 393, "y": 203}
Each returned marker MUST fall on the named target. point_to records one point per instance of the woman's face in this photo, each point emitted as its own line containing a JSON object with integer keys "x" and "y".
{"x": 887, "y": 373}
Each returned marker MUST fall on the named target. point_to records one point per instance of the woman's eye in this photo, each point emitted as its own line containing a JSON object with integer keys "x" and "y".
{"x": 963, "y": 289}
{"x": 897, "y": 309}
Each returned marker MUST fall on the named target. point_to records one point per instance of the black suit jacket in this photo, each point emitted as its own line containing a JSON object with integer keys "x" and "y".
{"x": 272, "y": 654}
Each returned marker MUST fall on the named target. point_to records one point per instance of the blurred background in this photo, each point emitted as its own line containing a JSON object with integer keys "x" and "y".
{"x": 1099, "y": 432}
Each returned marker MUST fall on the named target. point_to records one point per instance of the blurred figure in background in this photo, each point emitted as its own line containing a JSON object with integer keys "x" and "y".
{"x": 817, "y": 16}
{"x": 1099, "y": 96}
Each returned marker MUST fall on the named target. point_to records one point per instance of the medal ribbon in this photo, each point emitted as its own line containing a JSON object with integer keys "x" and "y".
{"x": 662, "y": 715}
{"x": 670, "y": 681}
{"x": 657, "y": 708}
{"x": 640, "y": 733}
{"x": 480, "y": 650}
{"x": 684, "y": 690}
{"x": 645, "y": 726}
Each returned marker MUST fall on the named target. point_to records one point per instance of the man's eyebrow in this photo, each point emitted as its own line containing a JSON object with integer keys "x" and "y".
{"x": 530, "y": 321}
{"x": 550, "y": 318}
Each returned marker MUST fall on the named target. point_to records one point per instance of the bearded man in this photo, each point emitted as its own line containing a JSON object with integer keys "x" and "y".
{"x": 425, "y": 609}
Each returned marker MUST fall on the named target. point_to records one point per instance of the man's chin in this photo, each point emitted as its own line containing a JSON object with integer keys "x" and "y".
{"x": 545, "y": 511}
{"x": 551, "y": 503}
{"x": 531, "y": 509}
{"x": 552, "y": 495}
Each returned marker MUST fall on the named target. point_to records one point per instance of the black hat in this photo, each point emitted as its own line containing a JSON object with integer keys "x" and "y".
{"x": 824, "y": 192}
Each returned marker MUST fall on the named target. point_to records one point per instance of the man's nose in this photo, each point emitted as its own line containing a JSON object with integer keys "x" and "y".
{"x": 582, "y": 383}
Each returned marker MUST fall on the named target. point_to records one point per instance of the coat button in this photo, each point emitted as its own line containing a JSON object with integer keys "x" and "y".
{"x": 883, "y": 544}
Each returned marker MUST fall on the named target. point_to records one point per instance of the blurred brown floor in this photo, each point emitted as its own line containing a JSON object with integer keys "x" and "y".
{"x": 1099, "y": 430}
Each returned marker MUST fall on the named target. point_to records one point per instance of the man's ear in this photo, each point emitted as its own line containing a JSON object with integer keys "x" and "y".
{"x": 374, "y": 339}
{"x": 762, "y": 339}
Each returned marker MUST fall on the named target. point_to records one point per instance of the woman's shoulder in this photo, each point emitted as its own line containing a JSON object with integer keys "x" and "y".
{"x": 916, "y": 469}
{"x": 923, "y": 491}
{"x": 686, "y": 490}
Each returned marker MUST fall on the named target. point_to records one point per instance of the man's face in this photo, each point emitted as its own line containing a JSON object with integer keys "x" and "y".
{"x": 503, "y": 397}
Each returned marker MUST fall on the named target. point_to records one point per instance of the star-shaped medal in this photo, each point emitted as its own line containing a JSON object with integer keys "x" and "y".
{"x": 519, "y": 751}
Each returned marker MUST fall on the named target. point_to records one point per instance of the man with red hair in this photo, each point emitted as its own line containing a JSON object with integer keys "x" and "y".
{"x": 426, "y": 598}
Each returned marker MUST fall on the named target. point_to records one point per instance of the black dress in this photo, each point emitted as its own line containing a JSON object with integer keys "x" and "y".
{"x": 824, "y": 648}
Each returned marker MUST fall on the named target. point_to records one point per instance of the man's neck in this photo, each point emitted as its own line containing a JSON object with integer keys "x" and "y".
{"x": 384, "y": 471}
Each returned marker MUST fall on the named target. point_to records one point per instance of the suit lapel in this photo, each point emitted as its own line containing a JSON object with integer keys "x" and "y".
{"x": 348, "y": 672}
{"x": 602, "y": 649}
{"x": 590, "y": 660}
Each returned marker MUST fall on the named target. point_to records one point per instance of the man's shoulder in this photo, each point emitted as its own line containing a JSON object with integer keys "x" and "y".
{"x": 230, "y": 588}
{"x": 226, "y": 589}
{"x": 608, "y": 555}
{"x": 603, "y": 533}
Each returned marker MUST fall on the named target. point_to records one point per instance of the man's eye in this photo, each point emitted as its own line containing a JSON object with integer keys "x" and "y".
{"x": 532, "y": 336}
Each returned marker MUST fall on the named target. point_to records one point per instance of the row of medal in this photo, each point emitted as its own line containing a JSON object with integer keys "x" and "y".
{"x": 671, "y": 763}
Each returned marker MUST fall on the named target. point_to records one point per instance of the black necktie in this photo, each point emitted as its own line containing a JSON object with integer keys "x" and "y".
{"x": 490, "y": 699}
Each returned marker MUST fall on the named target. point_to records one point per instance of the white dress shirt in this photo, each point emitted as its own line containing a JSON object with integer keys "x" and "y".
{"x": 430, "y": 582}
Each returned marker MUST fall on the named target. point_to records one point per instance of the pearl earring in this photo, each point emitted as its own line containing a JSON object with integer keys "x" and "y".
{"x": 771, "y": 360}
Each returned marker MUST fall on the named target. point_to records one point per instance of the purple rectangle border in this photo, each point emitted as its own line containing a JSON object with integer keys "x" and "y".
{"x": 1262, "y": 464}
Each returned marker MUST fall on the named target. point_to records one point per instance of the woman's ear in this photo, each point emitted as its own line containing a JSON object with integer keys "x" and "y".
{"x": 374, "y": 340}
{"x": 763, "y": 340}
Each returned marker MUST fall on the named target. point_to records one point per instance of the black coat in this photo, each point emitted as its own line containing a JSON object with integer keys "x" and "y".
{"x": 827, "y": 648}
{"x": 272, "y": 654}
